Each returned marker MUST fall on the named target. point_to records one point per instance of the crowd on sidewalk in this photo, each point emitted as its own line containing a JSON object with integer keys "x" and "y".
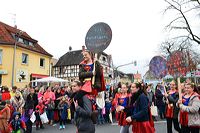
{"x": 18, "y": 105}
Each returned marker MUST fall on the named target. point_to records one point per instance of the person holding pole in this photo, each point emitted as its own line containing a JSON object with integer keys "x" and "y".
{"x": 89, "y": 70}
{"x": 172, "y": 110}
{"x": 189, "y": 110}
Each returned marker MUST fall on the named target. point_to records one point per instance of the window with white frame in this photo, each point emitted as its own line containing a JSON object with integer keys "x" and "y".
{"x": 42, "y": 62}
{"x": 1, "y": 56}
{"x": 24, "y": 58}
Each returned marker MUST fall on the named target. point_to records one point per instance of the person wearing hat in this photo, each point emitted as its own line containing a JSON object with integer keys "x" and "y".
{"x": 16, "y": 123}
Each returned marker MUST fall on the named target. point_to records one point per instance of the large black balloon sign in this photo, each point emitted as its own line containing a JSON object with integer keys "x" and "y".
{"x": 98, "y": 37}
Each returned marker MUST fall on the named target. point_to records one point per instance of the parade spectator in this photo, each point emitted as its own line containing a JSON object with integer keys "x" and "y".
{"x": 4, "y": 117}
{"x": 50, "y": 110}
{"x": 36, "y": 89}
{"x": 62, "y": 107}
{"x": 159, "y": 102}
{"x": 58, "y": 96}
{"x": 150, "y": 95}
{"x": 13, "y": 92}
{"x": 32, "y": 98}
{"x": 28, "y": 111}
{"x": 49, "y": 96}
{"x": 40, "y": 109}
{"x": 17, "y": 124}
{"x": 108, "y": 103}
{"x": 141, "y": 112}
{"x": 17, "y": 102}
{"x": 5, "y": 93}
{"x": 41, "y": 93}
{"x": 83, "y": 111}
{"x": 189, "y": 110}
{"x": 171, "y": 109}
{"x": 25, "y": 93}
{"x": 100, "y": 101}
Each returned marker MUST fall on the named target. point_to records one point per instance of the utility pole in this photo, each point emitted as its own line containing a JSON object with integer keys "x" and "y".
{"x": 17, "y": 35}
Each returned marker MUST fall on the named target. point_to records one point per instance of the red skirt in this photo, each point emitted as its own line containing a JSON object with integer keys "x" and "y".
{"x": 183, "y": 118}
{"x": 169, "y": 111}
{"x": 122, "y": 119}
{"x": 143, "y": 127}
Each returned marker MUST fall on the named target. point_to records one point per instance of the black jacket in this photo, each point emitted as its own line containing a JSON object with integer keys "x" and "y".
{"x": 82, "y": 117}
{"x": 31, "y": 101}
{"x": 87, "y": 74}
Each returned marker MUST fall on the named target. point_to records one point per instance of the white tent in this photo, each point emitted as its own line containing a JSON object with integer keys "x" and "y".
{"x": 50, "y": 80}
{"x": 168, "y": 77}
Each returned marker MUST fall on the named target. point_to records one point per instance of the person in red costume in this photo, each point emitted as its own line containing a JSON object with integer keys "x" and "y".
{"x": 90, "y": 69}
{"x": 122, "y": 103}
{"x": 141, "y": 114}
{"x": 40, "y": 108}
{"x": 4, "y": 117}
{"x": 189, "y": 110}
{"x": 87, "y": 73}
{"x": 172, "y": 110}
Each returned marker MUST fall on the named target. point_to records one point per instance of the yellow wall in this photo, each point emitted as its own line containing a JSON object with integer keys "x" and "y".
{"x": 33, "y": 65}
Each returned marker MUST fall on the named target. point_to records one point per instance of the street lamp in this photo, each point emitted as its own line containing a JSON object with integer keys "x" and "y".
{"x": 19, "y": 33}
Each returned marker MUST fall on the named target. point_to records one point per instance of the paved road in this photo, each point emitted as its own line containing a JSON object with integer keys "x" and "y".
{"x": 107, "y": 128}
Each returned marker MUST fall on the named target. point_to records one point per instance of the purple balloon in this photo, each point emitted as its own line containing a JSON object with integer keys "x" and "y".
{"x": 158, "y": 66}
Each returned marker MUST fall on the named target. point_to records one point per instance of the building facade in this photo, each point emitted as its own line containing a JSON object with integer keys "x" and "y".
{"x": 22, "y": 59}
{"x": 67, "y": 66}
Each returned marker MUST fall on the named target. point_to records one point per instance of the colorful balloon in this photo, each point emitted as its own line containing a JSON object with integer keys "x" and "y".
{"x": 158, "y": 66}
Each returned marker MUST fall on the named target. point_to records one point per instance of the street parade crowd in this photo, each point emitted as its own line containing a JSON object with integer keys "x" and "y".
{"x": 89, "y": 101}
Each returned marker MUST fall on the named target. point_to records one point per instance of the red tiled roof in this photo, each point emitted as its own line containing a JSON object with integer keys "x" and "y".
{"x": 7, "y": 39}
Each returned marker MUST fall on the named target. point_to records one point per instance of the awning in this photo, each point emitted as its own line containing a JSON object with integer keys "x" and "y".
{"x": 34, "y": 75}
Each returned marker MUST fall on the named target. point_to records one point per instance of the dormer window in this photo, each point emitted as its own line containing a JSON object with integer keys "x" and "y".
{"x": 26, "y": 42}
{"x": 31, "y": 43}
{"x": 22, "y": 40}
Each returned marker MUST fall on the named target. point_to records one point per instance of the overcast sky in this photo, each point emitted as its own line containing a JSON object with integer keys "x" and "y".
{"x": 137, "y": 26}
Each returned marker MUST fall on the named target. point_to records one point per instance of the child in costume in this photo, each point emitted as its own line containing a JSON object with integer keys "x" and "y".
{"x": 63, "y": 106}
{"x": 38, "y": 111}
{"x": 16, "y": 123}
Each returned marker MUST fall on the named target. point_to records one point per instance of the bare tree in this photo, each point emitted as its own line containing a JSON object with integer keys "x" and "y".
{"x": 185, "y": 38}
{"x": 183, "y": 45}
{"x": 184, "y": 9}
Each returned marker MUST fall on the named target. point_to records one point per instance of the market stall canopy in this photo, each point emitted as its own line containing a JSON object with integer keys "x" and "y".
{"x": 168, "y": 77}
{"x": 50, "y": 79}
